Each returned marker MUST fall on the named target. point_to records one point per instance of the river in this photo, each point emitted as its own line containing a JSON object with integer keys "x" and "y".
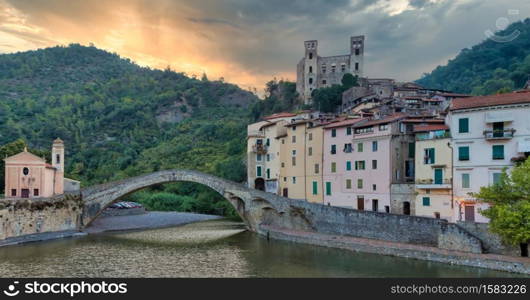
{"x": 216, "y": 248}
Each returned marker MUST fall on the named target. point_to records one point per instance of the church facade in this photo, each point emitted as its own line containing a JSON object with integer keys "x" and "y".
{"x": 30, "y": 176}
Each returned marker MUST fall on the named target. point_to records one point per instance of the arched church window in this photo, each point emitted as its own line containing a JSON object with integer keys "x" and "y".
{"x": 310, "y": 55}
{"x": 25, "y": 171}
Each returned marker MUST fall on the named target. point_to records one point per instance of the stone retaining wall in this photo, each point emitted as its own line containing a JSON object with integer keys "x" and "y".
{"x": 492, "y": 243}
{"x": 20, "y": 217}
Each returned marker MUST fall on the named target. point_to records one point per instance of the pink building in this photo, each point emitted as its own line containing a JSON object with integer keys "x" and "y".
{"x": 338, "y": 163}
{"x": 30, "y": 176}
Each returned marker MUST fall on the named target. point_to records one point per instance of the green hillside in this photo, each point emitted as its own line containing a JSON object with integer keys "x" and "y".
{"x": 488, "y": 67}
{"x": 119, "y": 119}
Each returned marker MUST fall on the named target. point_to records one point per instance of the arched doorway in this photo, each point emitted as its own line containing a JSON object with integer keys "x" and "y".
{"x": 259, "y": 184}
{"x": 406, "y": 208}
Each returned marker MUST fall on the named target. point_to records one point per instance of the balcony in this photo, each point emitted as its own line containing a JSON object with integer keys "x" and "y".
{"x": 501, "y": 134}
{"x": 431, "y": 184}
{"x": 259, "y": 149}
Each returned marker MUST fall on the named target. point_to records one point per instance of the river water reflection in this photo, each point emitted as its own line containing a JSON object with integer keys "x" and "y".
{"x": 207, "y": 249}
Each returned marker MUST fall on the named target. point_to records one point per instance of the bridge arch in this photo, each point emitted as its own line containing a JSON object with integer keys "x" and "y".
{"x": 97, "y": 198}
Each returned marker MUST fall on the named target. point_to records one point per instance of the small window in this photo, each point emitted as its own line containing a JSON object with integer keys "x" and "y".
{"x": 310, "y": 151}
{"x": 35, "y": 192}
{"x": 359, "y": 147}
{"x": 348, "y": 184}
{"x": 343, "y": 68}
{"x": 315, "y": 188}
{"x": 333, "y": 149}
{"x": 374, "y": 146}
{"x": 258, "y": 157}
{"x": 374, "y": 164}
{"x": 317, "y": 168}
{"x": 268, "y": 157}
{"x": 310, "y": 80}
{"x": 498, "y": 151}
{"x": 496, "y": 178}
{"x": 357, "y": 51}
{"x": 310, "y": 136}
{"x": 374, "y": 187}
{"x": 359, "y": 183}
{"x": 258, "y": 171}
{"x": 328, "y": 188}
{"x": 463, "y": 153}
{"x": 13, "y": 192}
{"x": 348, "y": 166}
{"x": 412, "y": 150}
{"x": 25, "y": 171}
{"x": 294, "y": 180}
{"x": 333, "y": 132}
{"x": 294, "y": 152}
{"x": 348, "y": 130}
{"x": 463, "y": 125}
{"x": 356, "y": 66}
{"x": 293, "y": 139}
{"x": 310, "y": 55}
{"x": 268, "y": 173}
{"x": 426, "y": 201}
{"x": 333, "y": 167}
{"x": 465, "y": 180}
{"x": 310, "y": 69}
{"x": 324, "y": 81}
{"x": 383, "y": 127}
{"x": 293, "y": 160}
{"x": 428, "y": 157}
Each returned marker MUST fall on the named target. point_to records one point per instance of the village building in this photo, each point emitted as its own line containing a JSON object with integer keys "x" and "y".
{"x": 30, "y": 176}
{"x": 433, "y": 172}
{"x": 263, "y": 152}
{"x": 488, "y": 132}
{"x": 314, "y": 71}
{"x": 314, "y": 161}
{"x": 340, "y": 187}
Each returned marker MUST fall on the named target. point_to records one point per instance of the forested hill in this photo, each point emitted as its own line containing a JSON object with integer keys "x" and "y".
{"x": 117, "y": 118}
{"x": 488, "y": 67}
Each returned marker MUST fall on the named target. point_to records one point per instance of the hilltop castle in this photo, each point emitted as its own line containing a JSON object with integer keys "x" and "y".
{"x": 314, "y": 71}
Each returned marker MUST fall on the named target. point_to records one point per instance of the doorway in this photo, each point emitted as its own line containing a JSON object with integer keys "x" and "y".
{"x": 285, "y": 192}
{"x": 259, "y": 184}
{"x": 25, "y": 193}
{"x": 360, "y": 203}
{"x": 406, "y": 208}
{"x": 469, "y": 212}
{"x": 375, "y": 205}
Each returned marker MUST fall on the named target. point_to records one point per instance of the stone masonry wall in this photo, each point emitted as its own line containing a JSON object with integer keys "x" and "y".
{"x": 492, "y": 243}
{"x": 19, "y": 217}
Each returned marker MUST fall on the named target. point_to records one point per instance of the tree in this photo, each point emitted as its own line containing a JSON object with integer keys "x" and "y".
{"x": 348, "y": 81}
{"x": 509, "y": 210}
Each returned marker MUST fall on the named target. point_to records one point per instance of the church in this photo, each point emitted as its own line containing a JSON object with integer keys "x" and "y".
{"x": 30, "y": 176}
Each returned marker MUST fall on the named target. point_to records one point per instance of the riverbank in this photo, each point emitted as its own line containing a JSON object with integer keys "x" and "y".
{"x": 486, "y": 261}
{"x": 149, "y": 220}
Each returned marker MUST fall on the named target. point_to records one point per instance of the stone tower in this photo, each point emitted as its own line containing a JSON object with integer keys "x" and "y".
{"x": 357, "y": 55}
{"x": 58, "y": 164}
{"x": 310, "y": 67}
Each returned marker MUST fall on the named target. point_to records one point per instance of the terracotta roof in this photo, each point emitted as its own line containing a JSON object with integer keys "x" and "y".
{"x": 430, "y": 127}
{"x": 492, "y": 100}
{"x": 423, "y": 121}
{"x": 431, "y": 100}
{"x": 344, "y": 123}
{"x": 453, "y": 95}
{"x": 392, "y": 118}
{"x": 279, "y": 115}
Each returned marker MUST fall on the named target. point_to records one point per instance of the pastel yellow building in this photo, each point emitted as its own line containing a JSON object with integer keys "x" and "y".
{"x": 314, "y": 162}
{"x": 292, "y": 160}
{"x": 433, "y": 172}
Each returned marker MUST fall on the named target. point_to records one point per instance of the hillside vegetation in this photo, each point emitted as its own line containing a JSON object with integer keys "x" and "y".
{"x": 120, "y": 120}
{"x": 488, "y": 67}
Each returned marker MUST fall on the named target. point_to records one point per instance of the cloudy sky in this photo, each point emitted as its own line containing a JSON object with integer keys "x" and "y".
{"x": 251, "y": 41}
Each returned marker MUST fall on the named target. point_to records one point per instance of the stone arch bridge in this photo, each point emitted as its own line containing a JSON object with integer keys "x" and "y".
{"x": 255, "y": 207}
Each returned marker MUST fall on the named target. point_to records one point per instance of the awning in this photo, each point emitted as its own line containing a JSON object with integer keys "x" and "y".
{"x": 498, "y": 116}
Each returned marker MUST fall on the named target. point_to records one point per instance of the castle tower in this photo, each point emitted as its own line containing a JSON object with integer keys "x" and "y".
{"x": 58, "y": 164}
{"x": 310, "y": 69}
{"x": 357, "y": 55}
